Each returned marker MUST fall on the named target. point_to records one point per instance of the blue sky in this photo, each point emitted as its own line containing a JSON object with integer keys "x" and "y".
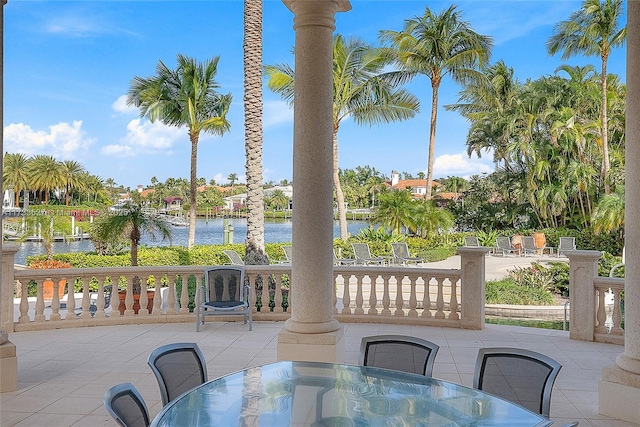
{"x": 69, "y": 64}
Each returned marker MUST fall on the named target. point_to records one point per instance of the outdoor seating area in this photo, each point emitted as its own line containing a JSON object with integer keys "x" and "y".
{"x": 229, "y": 347}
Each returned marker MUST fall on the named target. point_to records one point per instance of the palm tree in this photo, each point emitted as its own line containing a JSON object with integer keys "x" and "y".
{"x": 45, "y": 174}
{"x": 232, "y": 178}
{"x": 14, "y": 174}
{"x": 361, "y": 90}
{"x": 428, "y": 219}
{"x": 609, "y": 214}
{"x": 394, "y": 211}
{"x": 130, "y": 222}
{"x": 253, "y": 126}
{"x": 184, "y": 97}
{"x": 72, "y": 174}
{"x": 436, "y": 45}
{"x": 593, "y": 30}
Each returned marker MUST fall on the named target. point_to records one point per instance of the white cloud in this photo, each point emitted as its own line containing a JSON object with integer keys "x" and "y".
{"x": 62, "y": 140}
{"x": 146, "y": 137}
{"x": 276, "y": 113}
{"x": 120, "y": 106}
{"x": 461, "y": 165}
{"x": 118, "y": 150}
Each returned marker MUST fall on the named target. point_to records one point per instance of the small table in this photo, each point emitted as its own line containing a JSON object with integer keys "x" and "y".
{"x": 325, "y": 394}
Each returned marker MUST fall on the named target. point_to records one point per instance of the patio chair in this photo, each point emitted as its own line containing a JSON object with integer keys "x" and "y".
{"x": 234, "y": 257}
{"x": 125, "y": 404}
{"x": 288, "y": 255}
{"x": 503, "y": 245}
{"x": 178, "y": 367}
{"x": 363, "y": 256}
{"x": 342, "y": 261}
{"x": 618, "y": 265}
{"x": 566, "y": 244}
{"x": 401, "y": 254}
{"x": 224, "y": 294}
{"x": 529, "y": 246}
{"x": 520, "y": 376}
{"x": 471, "y": 241}
{"x": 399, "y": 352}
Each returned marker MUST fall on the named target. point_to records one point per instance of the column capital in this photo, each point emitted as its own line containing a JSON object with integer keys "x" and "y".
{"x": 316, "y": 12}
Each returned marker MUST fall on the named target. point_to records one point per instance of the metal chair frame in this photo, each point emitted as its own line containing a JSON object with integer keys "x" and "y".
{"x": 118, "y": 391}
{"x": 409, "y": 341}
{"x": 241, "y": 306}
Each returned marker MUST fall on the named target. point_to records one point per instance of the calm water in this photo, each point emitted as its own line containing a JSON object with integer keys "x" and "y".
{"x": 207, "y": 233}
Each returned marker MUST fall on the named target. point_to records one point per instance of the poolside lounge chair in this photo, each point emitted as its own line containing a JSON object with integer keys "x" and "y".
{"x": 234, "y": 257}
{"x": 503, "y": 245}
{"x": 529, "y": 246}
{"x": 401, "y": 254}
{"x": 288, "y": 255}
{"x": 342, "y": 261}
{"x": 471, "y": 241}
{"x": 566, "y": 244}
{"x": 363, "y": 255}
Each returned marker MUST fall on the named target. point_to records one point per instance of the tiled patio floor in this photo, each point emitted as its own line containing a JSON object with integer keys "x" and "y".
{"x": 64, "y": 373}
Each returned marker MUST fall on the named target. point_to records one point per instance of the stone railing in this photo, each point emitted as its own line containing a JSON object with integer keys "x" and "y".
{"x": 399, "y": 295}
{"x": 595, "y": 301}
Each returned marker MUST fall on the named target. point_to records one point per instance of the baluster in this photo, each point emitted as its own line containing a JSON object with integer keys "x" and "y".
{"x": 55, "y": 300}
{"x": 24, "y": 302}
{"x": 601, "y": 314}
{"x": 440, "y": 299}
{"x": 386, "y": 299}
{"x": 373, "y": 297}
{"x": 71, "y": 299}
{"x": 346, "y": 295}
{"x": 413, "y": 298}
{"x": 184, "y": 293}
{"x": 86, "y": 299}
{"x": 171, "y": 295}
{"x": 616, "y": 317}
{"x": 157, "y": 298}
{"x": 100, "y": 302}
{"x": 399, "y": 298}
{"x": 129, "y": 301}
{"x": 39, "y": 317}
{"x": 278, "y": 296}
{"x": 144, "y": 297}
{"x": 334, "y": 309}
{"x": 453, "y": 304}
{"x": 426, "y": 300}
{"x": 359, "y": 293}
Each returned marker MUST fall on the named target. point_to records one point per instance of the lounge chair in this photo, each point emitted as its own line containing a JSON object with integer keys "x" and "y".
{"x": 288, "y": 255}
{"x": 342, "y": 261}
{"x": 401, "y": 254}
{"x": 471, "y": 241}
{"x": 363, "y": 255}
{"x": 234, "y": 257}
{"x": 529, "y": 246}
{"x": 503, "y": 245}
{"x": 566, "y": 244}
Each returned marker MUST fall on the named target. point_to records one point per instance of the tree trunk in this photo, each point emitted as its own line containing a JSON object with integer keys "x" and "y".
{"x": 253, "y": 125}
{"x": 342, "y": 210}
{"x": 192, "y": 187}
{"x": 435, "y": 83}
{"x": 605, "y": 137}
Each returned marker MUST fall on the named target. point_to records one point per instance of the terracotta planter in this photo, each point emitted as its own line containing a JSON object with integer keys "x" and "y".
{"x": 122, "y": 295}
{"x": 540, "y": 239}
{"x": 47, "y": 289}
{"x": 516, "y": 242}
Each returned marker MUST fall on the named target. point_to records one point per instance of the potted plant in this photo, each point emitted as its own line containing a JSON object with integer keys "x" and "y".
{"x": 131, "y": 222}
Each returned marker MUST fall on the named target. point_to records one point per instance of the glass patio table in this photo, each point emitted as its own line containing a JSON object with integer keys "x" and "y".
{"x": 325, "y": 394}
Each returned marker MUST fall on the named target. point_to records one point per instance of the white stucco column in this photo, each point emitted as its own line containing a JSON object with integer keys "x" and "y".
{"x": 312, "y": 333}
{"x": 619, "y": 387}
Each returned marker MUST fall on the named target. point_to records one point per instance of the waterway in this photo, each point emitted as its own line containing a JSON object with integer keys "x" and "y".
{"x": 208, "y": 232}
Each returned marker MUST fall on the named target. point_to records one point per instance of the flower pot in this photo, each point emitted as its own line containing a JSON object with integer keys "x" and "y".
{"x": 47, "y": 289}
{"x": 122, "y": 295}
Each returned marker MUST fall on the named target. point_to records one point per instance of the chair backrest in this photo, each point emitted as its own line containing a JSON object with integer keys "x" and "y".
{"x": 567, "y": 243}
{"x": 107, "y": 292}
{"x": 126, "y": 406}
{"x": 521, "y": 376}
{"x": 528, "y": 242}
{"x": 224, "y": 284}
{"x": 178, "y": 367}
{"x": 399, "y": 352}
{"x": 503, "y": 242}
{"x": 234, "y": 257}
{"x": 471, "y": 241}
{"x": 400, "y": 250}
{"x": 288, "y": 253}
{"x": 361, "y": 250}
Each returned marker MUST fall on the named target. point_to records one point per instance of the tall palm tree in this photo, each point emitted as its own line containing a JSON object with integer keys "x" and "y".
{"x": 593, "y": 30}
{"x": 185, "y": 96}
{"x": 253, "y": 126}
{"x": 437, "y": 45}
{"x": 232, "y": 179}
{"x": 72, "y": 174}
{"x": 361, "y": 90}
{"x": 14, "y": 174}
{"x": 395, "y": 210}
{"x": 45, "y": 174}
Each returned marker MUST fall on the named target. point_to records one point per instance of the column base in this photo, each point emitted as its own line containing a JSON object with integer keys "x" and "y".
{"x": 8, "y": 367}
{"x": 619, "y": 394}
{"x": 325, "y": 347}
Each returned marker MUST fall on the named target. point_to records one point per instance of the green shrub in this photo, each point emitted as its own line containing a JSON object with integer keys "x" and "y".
{"x": 507, "y": 291}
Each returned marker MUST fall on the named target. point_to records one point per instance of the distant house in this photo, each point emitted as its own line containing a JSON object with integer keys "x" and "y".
{"x": 418, "y": 187}
{"x": 241, "y": 199}
{"x": 173, "y": 203}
